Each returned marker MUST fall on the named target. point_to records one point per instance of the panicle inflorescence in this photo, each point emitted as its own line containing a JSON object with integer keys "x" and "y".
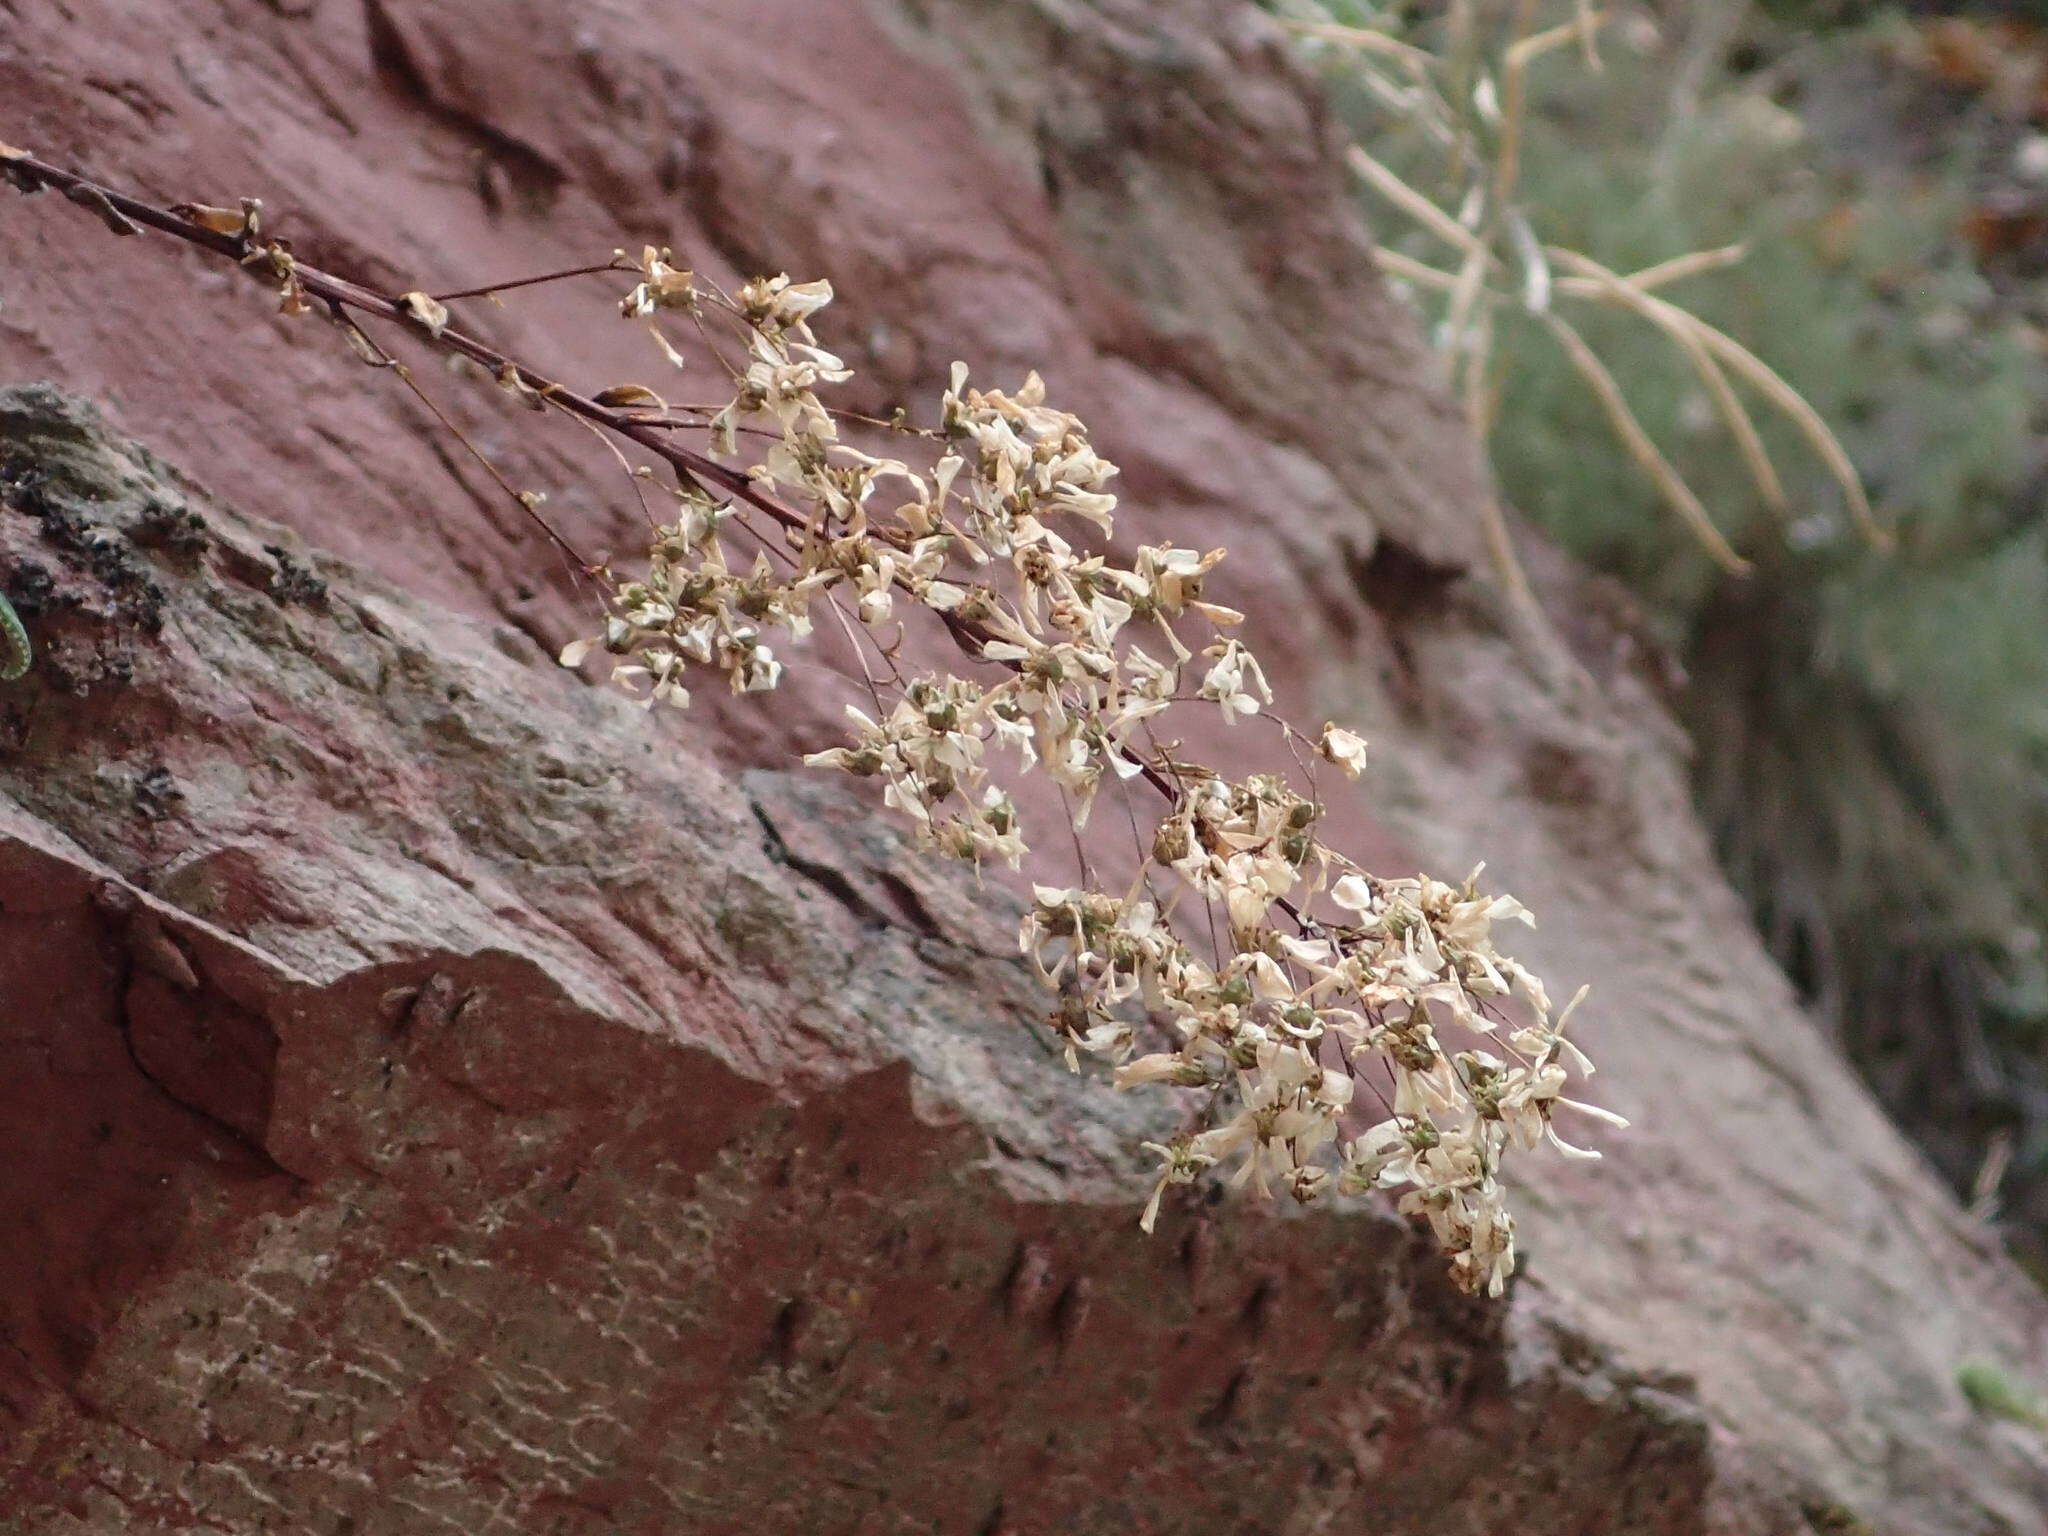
{"x": 1248, "y": 964}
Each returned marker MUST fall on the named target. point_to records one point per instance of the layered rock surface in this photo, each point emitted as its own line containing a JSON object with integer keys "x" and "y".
{"x": 439, "y": 1102}
{"x": 442, "y": 1100}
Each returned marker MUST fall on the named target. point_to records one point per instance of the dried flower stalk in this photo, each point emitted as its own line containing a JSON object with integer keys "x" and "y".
{"x": 1248, "y": 966}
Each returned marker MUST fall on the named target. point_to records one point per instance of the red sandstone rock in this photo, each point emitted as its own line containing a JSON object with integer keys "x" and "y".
{"x": 441, "y": 1101}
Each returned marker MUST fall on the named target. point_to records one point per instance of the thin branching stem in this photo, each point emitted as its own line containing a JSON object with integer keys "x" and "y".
{"x": 975, "y": 545}
{"x": 490, "y": 289}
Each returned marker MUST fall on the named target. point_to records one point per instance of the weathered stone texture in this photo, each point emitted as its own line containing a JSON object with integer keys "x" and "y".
{"x": 438, "y": 1100}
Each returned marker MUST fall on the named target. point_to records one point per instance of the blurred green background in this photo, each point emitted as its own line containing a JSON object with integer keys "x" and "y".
{"x": 1871, "y": 727}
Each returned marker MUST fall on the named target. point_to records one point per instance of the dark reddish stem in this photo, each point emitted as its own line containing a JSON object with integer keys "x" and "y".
{"x": 31, "y": 175}
{"x": 528, "y": 282}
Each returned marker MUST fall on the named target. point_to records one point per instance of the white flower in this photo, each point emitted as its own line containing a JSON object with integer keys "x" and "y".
{"x": 1344, "y": 749}
{"x": 1235, "y": 681}
{"x": 1353, "y": 892}
{"x": 1387, "y": 1155}
{"x": 1183, "y": 1163}
{"x": 1165, "y": 1067}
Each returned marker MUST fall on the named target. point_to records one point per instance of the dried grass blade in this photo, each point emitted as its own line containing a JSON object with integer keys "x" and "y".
{"x": 1479, "y": 402}
{"x": 1507, "y": 155}
{"x": 1464, "y": 297}
{"x": 1588, "y": 21}
{"x": 1803, "y": 416}
{"x": 1640, "y": 447}
{"x": 1521, "y": 53}
{"x": 1789, "y": 402}
{"x": 1413, "y": 203}
{"x": 1536, "y": 279}
{"x": 1364, "y": 39}
{"x": 1410, "y": 270}
{"x": 1515, "y": 62}
{"x": 1684, "y": 337}
{"x": 1689, "y": 265}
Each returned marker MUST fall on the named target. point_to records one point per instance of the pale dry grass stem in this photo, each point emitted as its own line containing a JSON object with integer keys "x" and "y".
{"x": 1501, "y": 266}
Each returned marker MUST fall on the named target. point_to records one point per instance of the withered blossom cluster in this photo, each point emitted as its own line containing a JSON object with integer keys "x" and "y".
{"x": 1330, "y": 1029}
{"x": 1327, "y": 1028}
